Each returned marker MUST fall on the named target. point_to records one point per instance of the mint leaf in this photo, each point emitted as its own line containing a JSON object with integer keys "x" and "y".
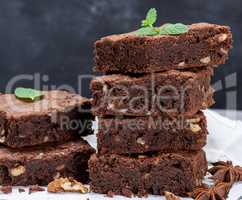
{"x": 28, "y": 94}
{"x": 173, "y": 29}
{"x": 147, "y": 28}
{"x": 150, "y": 19}
{"x": 147, "y": 31}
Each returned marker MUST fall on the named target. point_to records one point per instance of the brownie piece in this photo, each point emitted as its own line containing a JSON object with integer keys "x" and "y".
{"x": 172, "y": 92}
{"x": 204, "y": 44}
{"x": 151, "y": 134}
{"x": 59, "y": 116}
{"x": 178, "y": 173}
{"x": 40, "y": 165}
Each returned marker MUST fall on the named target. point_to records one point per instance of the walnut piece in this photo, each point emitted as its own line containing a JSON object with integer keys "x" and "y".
{"x": 2, "y": 132}
{"x": 222, "y": 37}
{"x": 46, "y": 139}
{"x": 195, "y": 128}
{"x": 223, "y": 51}
{"x": 181, "y": 64}
{"x": 17, "y": 171}
{"x": 2, "y": 139}
{"x": 66, "y": 185}
{"x": 60, "y": 167}
{"x": 105, "y": 88}
{"x": 140, "y": 141}
{"x": 206, "y": 60}
{"x": 171, "y": 196}
{"x": 193, "y": 120}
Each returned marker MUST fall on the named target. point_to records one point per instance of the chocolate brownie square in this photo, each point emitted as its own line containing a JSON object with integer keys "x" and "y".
{"x": 59, "y": 116}
{"x": 178, "y": 173}
{"x": 151, "y": 134}
{"x": 40, "y": 165}
{"x": 204, "y": 44}
{"x": 172, "y": 93}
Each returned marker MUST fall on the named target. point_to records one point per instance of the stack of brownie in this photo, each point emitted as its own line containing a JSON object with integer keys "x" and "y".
{"x": 40, "y": 142}
{"x": 151, "y": 127}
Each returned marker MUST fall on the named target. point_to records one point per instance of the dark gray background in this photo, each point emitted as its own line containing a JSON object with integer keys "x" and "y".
{"x": 55, "y": 37}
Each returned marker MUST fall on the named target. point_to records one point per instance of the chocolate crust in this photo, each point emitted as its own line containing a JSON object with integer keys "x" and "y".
{"x": 204, "y": 44}
{"x": 48, "y": 120}
{"x": 151, "y": 134}
{"x": 178, "y": 173}
{"x": 40, "y": 165}
{"x": 170, "y": 93}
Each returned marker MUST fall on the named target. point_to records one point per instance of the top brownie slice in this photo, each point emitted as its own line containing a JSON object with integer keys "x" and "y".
{"x": 59, "y": 116}
{"x": 204, "y": 44}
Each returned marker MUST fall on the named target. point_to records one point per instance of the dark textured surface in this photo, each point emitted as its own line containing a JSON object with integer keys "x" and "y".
{"x": 40, "y": 165}
{"x": 56, "y": 37}
{"x": 178, "y": 173}
{"x": 204, "y": 44}
{"x": 45, "y": 121}
{"x": 147, "y": 134}
{"x": 169, "y": 93}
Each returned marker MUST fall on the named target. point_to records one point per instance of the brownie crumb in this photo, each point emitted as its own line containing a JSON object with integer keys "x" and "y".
{"x": 127, "y": 193}
{"x": 171, "y": 196}
{"x": 110, "y": 194}
{"x": 35, "y": 188}
{"x": 21, "y": 190}
{"x": 6, "y": 189}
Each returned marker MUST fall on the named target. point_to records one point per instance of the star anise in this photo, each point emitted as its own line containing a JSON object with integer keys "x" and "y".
{"x": 226, "y": 172}
{"x": 217, "y": 192}
{"x": 171, "y": 196}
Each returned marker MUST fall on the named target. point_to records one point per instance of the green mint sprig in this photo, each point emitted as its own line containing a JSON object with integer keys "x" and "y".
{"x": 173, "y": 29}
{"x": 28, "y": 94}
{"x": 148, "y": 29}
{"x": 150, "y": 19}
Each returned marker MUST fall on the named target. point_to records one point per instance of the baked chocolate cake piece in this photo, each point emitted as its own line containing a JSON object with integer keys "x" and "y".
{"x": 40, "y": 165}
{"x": 59, "y": 116}
{"x": 178, "y": 173}
{"x": 204, "y": 44}
{"x": 151, "y": 134}
{"x": 172, "y": 93}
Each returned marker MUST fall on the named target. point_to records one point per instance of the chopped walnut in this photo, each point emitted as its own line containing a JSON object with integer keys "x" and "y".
{"x": 2, "y": 133}
{"x": 66, "y": 185}
{"x": 105, "y": 88}
{"x": 60, "y": 167}
{"x": 142, "y": 156}
{"x": 46, "y": 139}
{"x": 206, "y": 60}
{"x": 2, "y": 139}
{"x": 223, "y": 51}
{"x": 194, "y": 120}
{"x": 222, "y": 37}
{"x": 181, "y": 64}
{"x": 140, "y": 141}
{"x": 195, "y": 128}
{"x": 17, "y": 171}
